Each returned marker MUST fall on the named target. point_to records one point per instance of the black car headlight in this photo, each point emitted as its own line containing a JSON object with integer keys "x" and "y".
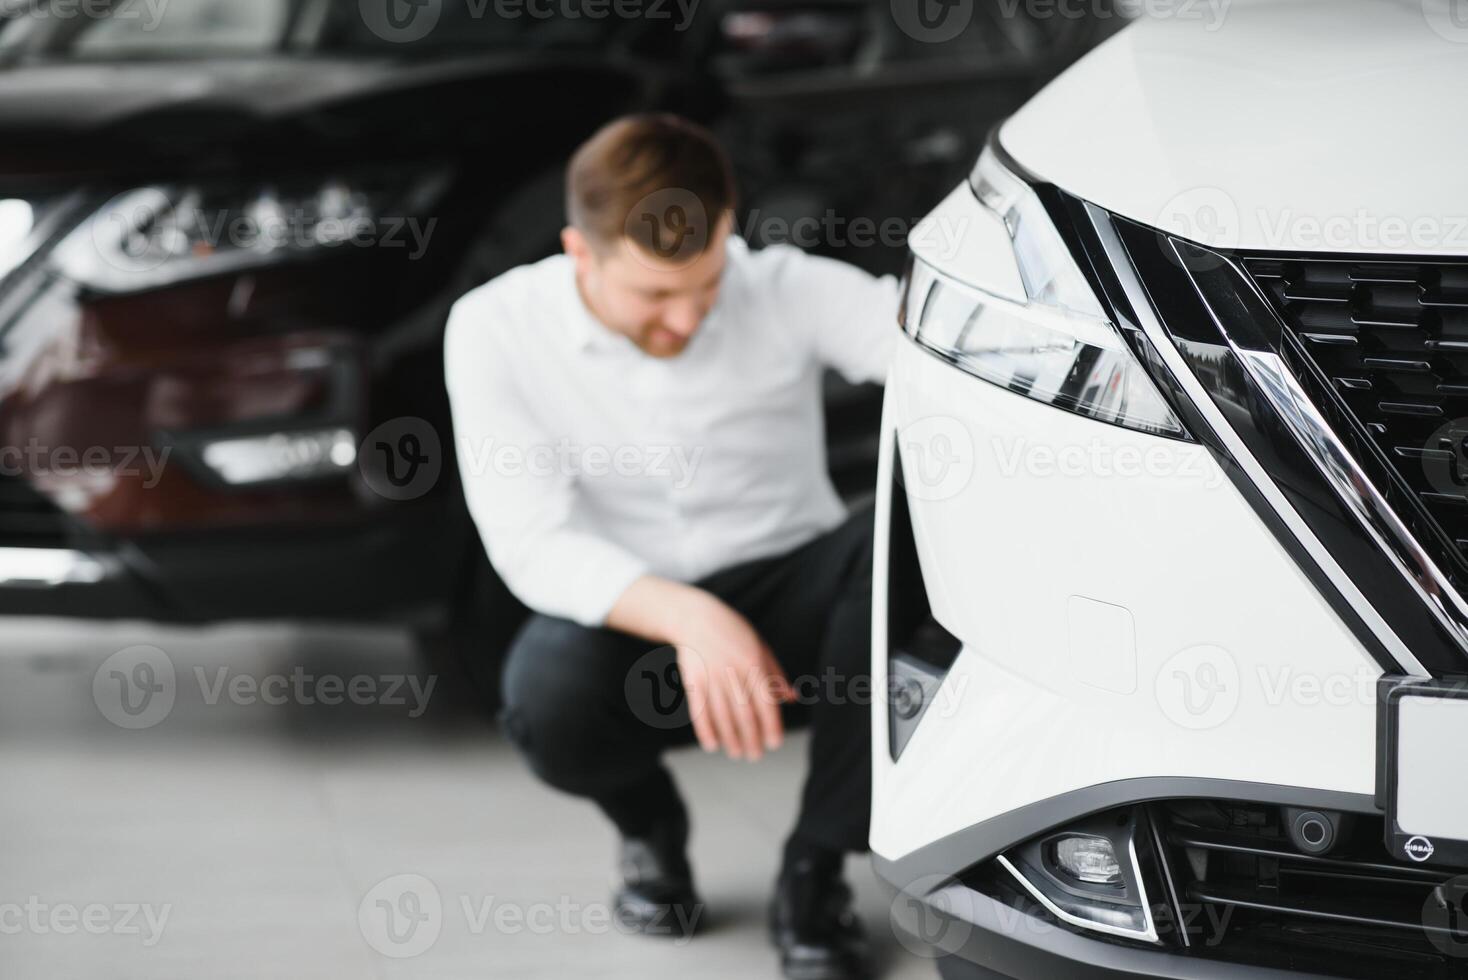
{"x": 993, "y": 289}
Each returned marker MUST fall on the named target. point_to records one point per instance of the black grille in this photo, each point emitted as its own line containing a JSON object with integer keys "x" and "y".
{"x": 28, "y": 519}
{"x": 1356, "y": 912}
{"x": 1387, "y": 343}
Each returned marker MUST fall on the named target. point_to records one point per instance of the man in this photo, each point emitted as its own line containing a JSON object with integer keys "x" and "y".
{"x": 640, "y": 431}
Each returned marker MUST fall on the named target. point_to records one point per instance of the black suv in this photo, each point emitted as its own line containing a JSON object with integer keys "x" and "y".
{"x": 230, "y": 233}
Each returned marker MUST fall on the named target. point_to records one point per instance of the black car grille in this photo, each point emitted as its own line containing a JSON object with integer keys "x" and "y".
{"x": 27, "y": 518}
{"x": 1386, "y": 345}
{"x": 1354, "y": 913}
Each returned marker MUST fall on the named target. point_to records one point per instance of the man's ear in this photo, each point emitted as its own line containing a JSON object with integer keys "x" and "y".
{"x": 578, "y": 247}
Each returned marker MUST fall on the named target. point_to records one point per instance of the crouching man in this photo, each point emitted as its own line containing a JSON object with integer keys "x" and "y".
{"x": 639, "y": 423}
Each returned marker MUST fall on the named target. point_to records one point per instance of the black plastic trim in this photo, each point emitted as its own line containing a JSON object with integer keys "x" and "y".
{"x": 1176, "y": 294}
{"x": 1274, "y": 447}
{"x": 982, "y": 841}
{"x": 988, "y": 940}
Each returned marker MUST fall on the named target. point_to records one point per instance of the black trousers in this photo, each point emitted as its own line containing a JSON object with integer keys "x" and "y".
{"x": 593, "y": 710}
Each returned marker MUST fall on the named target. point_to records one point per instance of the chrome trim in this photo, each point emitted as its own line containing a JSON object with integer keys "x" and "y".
{"x": 1147, "y": 935}
{"x": 1275, "y": 387}
{"x": 1340, "y": 469}
{"x": 46, "y": 568}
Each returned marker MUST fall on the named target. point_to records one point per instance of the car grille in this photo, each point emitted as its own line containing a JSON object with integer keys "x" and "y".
{"x": 1354, "y": 913}
{"x": 27, "y": 518}
{"x": 1386, "y": 343}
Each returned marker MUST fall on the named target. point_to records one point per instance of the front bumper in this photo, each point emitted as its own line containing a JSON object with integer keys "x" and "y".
{"x": 978, "y": 937}
{"x": 1139, "y": 620}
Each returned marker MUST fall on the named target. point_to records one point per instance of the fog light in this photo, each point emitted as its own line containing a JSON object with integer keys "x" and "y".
{"x": 282, "y": 456}
{"x": 1088, "y": 859}
{"x": 1091, "y": 874}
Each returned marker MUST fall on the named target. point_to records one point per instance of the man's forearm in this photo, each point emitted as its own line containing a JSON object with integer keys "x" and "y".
{"x": 655, "y": 609}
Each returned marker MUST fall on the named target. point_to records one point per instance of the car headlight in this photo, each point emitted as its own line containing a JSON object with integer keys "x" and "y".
{"x": 156, "y": 236}
{"x": 1006, "y": 302}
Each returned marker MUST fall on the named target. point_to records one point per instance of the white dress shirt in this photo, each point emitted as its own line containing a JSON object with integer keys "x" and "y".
{"x": 587, "y": 463}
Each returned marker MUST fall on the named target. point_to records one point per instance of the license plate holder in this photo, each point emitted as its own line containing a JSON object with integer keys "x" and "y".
{"x": 1421, "y": 787}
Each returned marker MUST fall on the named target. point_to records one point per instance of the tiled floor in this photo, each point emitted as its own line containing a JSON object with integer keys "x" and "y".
{"x": 230, "y": 837}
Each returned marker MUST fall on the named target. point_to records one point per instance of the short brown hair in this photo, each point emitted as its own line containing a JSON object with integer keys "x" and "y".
{"x": 658, "y": 179}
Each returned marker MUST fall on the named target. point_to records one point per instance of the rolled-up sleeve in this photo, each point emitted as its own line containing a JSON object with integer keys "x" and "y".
{"x": 527, "y": 514}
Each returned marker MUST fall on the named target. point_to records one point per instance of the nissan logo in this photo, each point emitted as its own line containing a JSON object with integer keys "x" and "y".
{"x": 1419, "y": 849}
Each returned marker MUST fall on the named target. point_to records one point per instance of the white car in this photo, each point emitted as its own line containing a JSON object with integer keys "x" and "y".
{"x": 1173, "y": 515}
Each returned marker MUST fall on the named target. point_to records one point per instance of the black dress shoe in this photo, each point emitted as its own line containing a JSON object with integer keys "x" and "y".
{"x": 655, "y": 895}
{"x": 813, "y": 926}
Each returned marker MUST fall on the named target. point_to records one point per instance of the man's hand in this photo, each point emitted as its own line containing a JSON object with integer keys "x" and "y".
{"x": 733, "y": 684}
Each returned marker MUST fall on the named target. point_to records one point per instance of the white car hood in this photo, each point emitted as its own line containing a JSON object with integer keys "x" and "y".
{"x": 1324, "y": 126}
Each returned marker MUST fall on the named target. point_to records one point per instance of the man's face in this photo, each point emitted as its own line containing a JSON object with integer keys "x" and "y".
{"x": 657, "y": 304}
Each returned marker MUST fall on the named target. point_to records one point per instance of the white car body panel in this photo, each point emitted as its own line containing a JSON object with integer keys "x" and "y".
{"x": 1136, "y": 528}
{"x": 1219, "y": 125}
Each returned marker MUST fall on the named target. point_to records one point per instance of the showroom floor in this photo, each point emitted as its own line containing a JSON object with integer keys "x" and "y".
{"x": 236, "y": 837}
